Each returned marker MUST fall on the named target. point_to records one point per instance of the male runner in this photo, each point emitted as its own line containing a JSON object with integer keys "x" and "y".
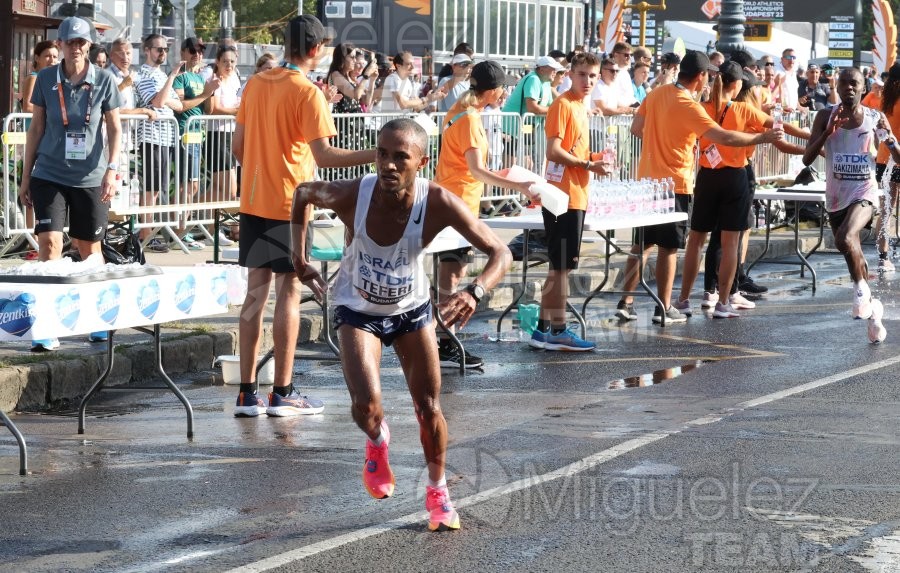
{"x": 382, "y": 295}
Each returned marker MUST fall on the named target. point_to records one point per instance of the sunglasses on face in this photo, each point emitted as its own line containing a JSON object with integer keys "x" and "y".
{"x": 790, "y": 57}
{"x": 159, "y": 49}
{"x": 769, "y": 64}
{"x": 611, "y": 70}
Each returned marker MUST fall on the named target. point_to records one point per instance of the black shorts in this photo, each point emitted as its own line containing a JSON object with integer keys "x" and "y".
{"x": 218, "y": 151}
{"x": 386, "y": 328}
{"x": 668, "y": 235}
{"x": 266, "y": 244}
{"x": 156, "y": 162}
{"x": 836, "y": 218}
{"x": 87, "y": 215}
{"x": 880, "y": 169}
{"x": 463, "y": 256}
{"x": 563, "y": 238}
{"x": 722, "y": 200}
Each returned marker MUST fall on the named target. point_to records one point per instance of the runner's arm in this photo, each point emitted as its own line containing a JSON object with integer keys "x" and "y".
{"x": 817, "y": 137}
{"x": 446, "y": 209}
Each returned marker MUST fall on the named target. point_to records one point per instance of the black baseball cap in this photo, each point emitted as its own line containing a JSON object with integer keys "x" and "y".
{"x": 744, "y": 58}
{"x": 193, "y": 44}
{"x": 750, "y": 80}
{"x": 695, "y": 62}
{"x": 305, "y": 32}
{"x": 487, "y": 76}
{"x": 730, "y": 72}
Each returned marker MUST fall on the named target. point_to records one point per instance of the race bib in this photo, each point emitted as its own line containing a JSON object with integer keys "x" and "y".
{"x": 76, "y": 146}
{"x": 712, "y": 155}
{"x": 555, "y": 171}
{"x": 851, "y": 166}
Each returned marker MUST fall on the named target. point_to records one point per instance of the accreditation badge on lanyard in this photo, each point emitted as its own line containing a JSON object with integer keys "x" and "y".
{"x": 76, "y": 141}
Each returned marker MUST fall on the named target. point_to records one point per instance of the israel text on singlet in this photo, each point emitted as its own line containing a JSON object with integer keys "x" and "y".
{"x": 389, "y": 280}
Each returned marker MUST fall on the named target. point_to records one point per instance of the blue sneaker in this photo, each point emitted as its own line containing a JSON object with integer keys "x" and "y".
{"x": 538, "y": 339}
{"x": 99, "y": 336}
{"x": 249, "y": 405}
{"x": 567, "y": 341}
{"x": 44, "y": 345}
{"x": 293, "y": 404}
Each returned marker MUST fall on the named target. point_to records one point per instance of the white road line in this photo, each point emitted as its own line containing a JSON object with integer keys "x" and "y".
{"x": 572, "y": 469}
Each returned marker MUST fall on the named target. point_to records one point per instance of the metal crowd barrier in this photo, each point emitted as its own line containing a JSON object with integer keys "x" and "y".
{"x": 13, "y": 223}
{"x": 209, "y": 172}
{"x": 185, "y": 195}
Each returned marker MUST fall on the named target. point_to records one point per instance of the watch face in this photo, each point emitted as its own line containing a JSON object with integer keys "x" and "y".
{"x": 478, "y": 291}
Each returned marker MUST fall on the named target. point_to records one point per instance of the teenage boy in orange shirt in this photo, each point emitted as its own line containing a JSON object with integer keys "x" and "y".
{"x": 568, "y": 167}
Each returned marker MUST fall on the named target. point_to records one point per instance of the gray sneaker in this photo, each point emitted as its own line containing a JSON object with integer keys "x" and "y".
{"x": 672, "y": 315}
{"x": 625, "y": 311}
{"x": 684, "y": 307}
{"x": 157, "y": 245}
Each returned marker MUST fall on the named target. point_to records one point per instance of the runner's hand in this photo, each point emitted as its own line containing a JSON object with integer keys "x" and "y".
{"x": 108, "y": 186}
{"x": 25, "y": 194}
{"x": 457, "y": 309}
{"x": 310, "y": 277}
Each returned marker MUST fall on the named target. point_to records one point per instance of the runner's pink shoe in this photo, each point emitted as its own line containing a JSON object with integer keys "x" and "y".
{"x": 877, "y": 331}
{"x": 440, "y": 509}
{"x": 377, "y": 475}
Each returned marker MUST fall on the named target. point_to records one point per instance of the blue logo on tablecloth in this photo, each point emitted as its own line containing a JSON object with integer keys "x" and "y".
{"x": 184, "y": 294}
{"x": 148, "y": 299}
{"x": 219, "y": 286}
{"x": 17, "y": 314}
{"x": 108, "y": 303}
{"x": 68, "y": 308}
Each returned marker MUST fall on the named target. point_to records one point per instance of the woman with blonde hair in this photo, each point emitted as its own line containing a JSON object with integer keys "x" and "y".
{"x": 461, "y": 170}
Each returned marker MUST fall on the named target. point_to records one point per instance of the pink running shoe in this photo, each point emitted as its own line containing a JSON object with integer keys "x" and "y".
{"x": 877, "y": 331}
{"x": 440, "y": 509}
{"x": 862, "y": 307}
{"x": 377, "y": 475}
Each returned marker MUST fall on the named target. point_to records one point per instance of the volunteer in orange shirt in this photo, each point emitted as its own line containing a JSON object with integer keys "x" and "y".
{"x": 723, "y": 196}
{"x": 461, "y": 170}
{"x": 669, "y": 123}
{"x": 890, "y": 105}
{"x": 283, "y": 131}
{"x": 568, "y": 167}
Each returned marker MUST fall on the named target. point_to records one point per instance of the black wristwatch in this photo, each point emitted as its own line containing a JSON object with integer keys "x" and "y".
{"x": 476, "y": 290}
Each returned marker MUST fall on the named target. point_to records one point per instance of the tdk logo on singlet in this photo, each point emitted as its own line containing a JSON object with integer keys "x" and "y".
{"x": 851, "y": 166}
{"x": 384, "y": 281}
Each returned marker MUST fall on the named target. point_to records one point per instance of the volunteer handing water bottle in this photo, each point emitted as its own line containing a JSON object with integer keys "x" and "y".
{"x": 66, "y": 172}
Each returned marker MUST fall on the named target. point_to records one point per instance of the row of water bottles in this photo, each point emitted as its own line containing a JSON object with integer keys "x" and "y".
{"x": 128, "y": 195}
{"x": 608, "y": 198}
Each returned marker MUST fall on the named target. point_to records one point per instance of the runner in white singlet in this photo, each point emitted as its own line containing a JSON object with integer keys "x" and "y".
{"x": 382, "y": 295}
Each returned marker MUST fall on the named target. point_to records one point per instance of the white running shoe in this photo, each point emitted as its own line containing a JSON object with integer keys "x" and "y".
{"x": 886, "y": 266}
{"x": 738, "y": 301}
{"x": 710, "y": 299}
{"x": 724, "y": 311}
{"x": 862, "y": 307}
{"x": 877, "y": 331}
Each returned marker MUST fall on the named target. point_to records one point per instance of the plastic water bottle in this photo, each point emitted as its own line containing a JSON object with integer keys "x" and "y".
{"x": 134, "y": 193}
{"x": 609, "y": 150}
{"x": 778, "y": 116}
{"x": 670, "y": 195}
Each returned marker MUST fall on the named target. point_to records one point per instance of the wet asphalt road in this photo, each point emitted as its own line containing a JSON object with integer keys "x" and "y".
{"x": 694, "y": 447}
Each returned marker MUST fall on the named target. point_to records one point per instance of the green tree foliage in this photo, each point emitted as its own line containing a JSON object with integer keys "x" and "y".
{"x": 868, "y": 28}
{"x": 256, "y": 21}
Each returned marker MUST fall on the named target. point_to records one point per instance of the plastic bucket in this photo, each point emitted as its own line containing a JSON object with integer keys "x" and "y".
{"x": 231, "y": 370}
{"x": 528, "y": 317}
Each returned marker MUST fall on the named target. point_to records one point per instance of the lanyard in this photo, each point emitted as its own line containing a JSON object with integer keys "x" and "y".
{"x": 290, "y": 66}
{"x": 62, "y": 100}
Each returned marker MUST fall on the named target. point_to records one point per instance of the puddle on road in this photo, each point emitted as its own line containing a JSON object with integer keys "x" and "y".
{"x": 656, "y": 377}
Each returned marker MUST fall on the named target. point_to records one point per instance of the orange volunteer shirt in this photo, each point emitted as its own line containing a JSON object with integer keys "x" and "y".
{"x": 465, "y": 133}
{"x": 673, "y": 122}
{"x": 567, "y": 119}
{"x": 739, "y": 117}
{"x": 893, "y": 120}
{"x": 281, "y": 112}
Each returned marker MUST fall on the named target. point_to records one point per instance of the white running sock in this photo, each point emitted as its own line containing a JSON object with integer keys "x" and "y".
{"x": 862, "y": 290}
{"x": 439, "y": 483}
{"x": 380, "y": 439}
